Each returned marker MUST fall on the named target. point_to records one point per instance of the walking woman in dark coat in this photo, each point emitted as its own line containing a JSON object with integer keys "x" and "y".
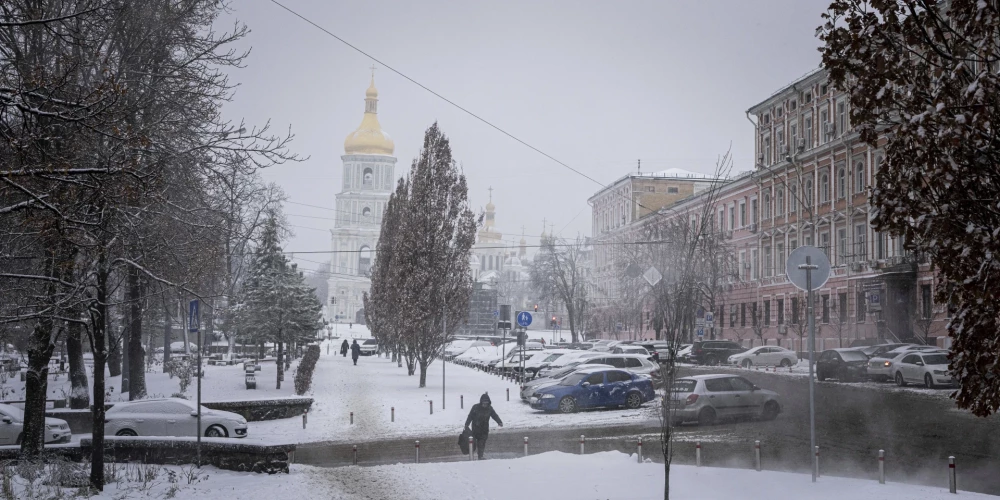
{"x": 479, "y": 417}
{"x": 344, "y": 347}
{"x": 355, "y": 351}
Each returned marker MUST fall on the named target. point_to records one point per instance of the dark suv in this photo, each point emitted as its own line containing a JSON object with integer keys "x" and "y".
{"x": 713, "y": 352}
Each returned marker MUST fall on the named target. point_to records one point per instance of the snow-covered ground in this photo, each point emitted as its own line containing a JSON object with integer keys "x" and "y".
{"x": 376, "y": 385}
{"x": 552, "y": 476}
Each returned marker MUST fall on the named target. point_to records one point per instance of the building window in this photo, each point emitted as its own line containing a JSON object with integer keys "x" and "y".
{"x": 364, "y": 260}
{"x": 826, "y": 309}
{"x": 824, "y": 126}
{"x": 743, "y": 314}
{"x": 779, "y": 111}
{"x": 842, "y": 256}
{"x": 767, "y": 151}
{"x": 807, "y": 130}
{"x": 767, "y": 262}
{"x": 807, "y": 97}
{"x": 824, "y": 244}
{"x": 672, "y": 190}
{"x": 780, "y": 251}
{"x": 722, "y": 220}
{"x": 732, "y": 316}
{"x": 368, "y": 180}
{"x": 650, "y": 189}
{"x": 842, "y": 183}
{"x": 823, "y": 88}
{"x": 926, "y": 302}
{"x": 767, "y": 313}
{"x": 779, "y": 200}
{"x": 792, "y": 105}
{"x": 767, "y": 206}
{"x": 743, "y": 214}
{"x": 753, "y": 211}
{"x": 781, "y": 311}
{"x": 807, "y": 195}
{"x": 842, "y": 298}
{"x": 859, "y": 307}
{"x": 795, "y": 310}
{"x": 793, "y": 200}
{"x": 841, "y": 117}
{"x": 860, "y": 246}
{"x": 793, "y": 135}
{"x": 824, "y": 188}
{"x": 881, "y": 245}
{"x": 732, "y": 217}
{"x": 753, "y": 264}
{"x": 859, "y": 176}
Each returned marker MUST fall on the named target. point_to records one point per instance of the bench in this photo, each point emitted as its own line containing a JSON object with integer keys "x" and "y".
{"x": 251, "y": 381}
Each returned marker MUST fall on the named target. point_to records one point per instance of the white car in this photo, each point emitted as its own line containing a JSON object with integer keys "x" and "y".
{"x": 12, "y": 423}
{"x": 458, "y": 347}
{"x": 603, "y": 345}
{"x": 546, "y": 356}
{"x": 925, "y": 367}
{"x": 765, "y": 355}
{"x": 171, "y": 417}
{"x": 882, "y": 368}
{"x": 629, "y": 349}
{"x": 369, "y": 347}
{"x": 546, "y": 368}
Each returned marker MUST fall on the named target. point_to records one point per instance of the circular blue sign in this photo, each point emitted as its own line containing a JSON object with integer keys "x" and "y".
{"x": 524, "y": 319}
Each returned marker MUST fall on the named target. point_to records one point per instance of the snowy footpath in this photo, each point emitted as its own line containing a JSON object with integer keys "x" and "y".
{"x": 376, "y": 385}
{"x": 550, "y": 476}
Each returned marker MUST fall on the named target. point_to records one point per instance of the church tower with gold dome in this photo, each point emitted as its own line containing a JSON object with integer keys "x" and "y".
{"x": 368, "y": 180}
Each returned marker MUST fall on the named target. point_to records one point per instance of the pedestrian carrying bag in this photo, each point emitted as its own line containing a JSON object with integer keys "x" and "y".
{"x": 463, "y": 441}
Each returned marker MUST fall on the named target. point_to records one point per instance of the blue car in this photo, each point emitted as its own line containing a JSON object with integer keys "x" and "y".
{"x": 593, "y": 388}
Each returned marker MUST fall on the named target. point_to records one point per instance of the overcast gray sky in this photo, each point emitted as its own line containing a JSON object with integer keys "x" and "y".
{"x": 597, "y": 85}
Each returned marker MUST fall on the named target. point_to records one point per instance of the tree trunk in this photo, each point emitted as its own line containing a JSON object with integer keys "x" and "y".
{"x": 423, "y": 373}
{"x": 98, "y": 320}
{"x": 114, "y": 359}
{"x": 280, "y": 363}
{"x": 168, "y": 335}
{"x": 79, "y": 397}
{"x": 36, "y": 388}
{"x": 136, "y": 366}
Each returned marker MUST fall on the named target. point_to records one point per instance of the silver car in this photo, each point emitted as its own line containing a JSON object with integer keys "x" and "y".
{"x": 171, "y": 417}
{"x": 707, "y": 398}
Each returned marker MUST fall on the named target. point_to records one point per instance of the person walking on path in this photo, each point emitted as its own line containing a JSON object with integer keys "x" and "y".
{"x": 344, "y": 347}
{"x": 479, "y": 417}
{"x": 355, "y": 351}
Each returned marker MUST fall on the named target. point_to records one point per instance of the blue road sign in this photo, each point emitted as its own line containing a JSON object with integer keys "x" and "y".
{"x": 194, "y": 318}
{"x": 496, "y": 314}
{"x": 524, "y": 319}
{"x": 701, "y": 332}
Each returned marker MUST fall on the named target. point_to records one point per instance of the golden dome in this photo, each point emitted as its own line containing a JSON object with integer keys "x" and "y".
{"x": 369, "y": 138}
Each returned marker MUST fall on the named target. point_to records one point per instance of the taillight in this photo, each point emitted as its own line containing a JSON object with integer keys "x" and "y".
{"x": 692, "y": 399}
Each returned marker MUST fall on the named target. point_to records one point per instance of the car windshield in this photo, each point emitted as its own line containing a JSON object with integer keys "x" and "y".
{"x": 12, "y": 411}
{"x": 853, "y": 356}
{"x": 684, "y": 385}
{"x": 574, "y": 379}
{"x": 936, "y": 359}
{"x": 371, "y": 342}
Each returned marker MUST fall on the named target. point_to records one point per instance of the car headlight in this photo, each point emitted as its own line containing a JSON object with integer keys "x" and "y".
{"x": 940, "y": 372}
{"x": 548, "y": 396}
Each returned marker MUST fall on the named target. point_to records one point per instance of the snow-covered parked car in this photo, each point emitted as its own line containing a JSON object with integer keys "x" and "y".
{"x": 369, "y": 347}
{"x": 883, "y": 366}
{"x": 765, "y": 355}
{"x": 171, "y": 417}
{"x": 12, "y": 423}
{"x": 458, "y": 347}
{"x": 925, "y": 367}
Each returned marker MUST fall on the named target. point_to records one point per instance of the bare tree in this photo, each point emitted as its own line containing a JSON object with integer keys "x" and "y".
{"x": 557, "y": 274}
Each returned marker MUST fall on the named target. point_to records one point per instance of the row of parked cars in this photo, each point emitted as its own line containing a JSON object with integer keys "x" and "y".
{"x": 902, "y": 363}
{"x": 146, "y": 417}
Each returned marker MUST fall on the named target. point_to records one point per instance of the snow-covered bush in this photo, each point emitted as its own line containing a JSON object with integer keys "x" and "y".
{"x": 182, "y": 370}
{"x": 304, "y": 374}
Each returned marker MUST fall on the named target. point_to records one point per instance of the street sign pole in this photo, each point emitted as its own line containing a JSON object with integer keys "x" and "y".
{"x": 809, "y": 267}
{"x": 194, "y": 321}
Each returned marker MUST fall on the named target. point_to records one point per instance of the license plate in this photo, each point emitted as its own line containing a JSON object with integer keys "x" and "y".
{"x": 533, "y": 400}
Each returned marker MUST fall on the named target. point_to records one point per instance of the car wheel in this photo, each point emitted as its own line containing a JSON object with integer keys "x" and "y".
{"x": 929, "y": 382}
{"x": 706, "y": 417}
{"x": 785, "y": 363}
{"x": 126, "y": 432}
{"x": 899, "y": 380}
{"x": 216, "y": 431}
{"x": 567, "y": 405}
{"x": 820, "y": 375}
{"x": 711, "y": 361}
{"x": 747, "y": 363}
{"x": 633, "y": 400}
{"x": 771, "y": 410}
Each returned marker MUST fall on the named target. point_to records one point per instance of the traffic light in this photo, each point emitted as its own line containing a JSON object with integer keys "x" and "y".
{"x": 553, "y": 323}
{"x": 536, "y": 307}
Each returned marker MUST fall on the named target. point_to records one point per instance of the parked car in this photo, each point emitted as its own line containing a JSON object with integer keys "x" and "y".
{"x": 545, "y": 369}
{"x": 765, "y": 355}
{"x": 593, "y": 388}
{"x": 458, "y": 347}
{"x": 12, "y": 423}
{"x": 549, "y": 355}
{"x": 531, "y": 386}
{"x": 873, "y": 351}
{"x": 603, "y": 345}
{"x": 707, "y": 398}
{"x": 369, "y": 347}
{"x": 713, "y": 352}
{"x": 629, "y": 349}
{"x": 883, "y": 366}
{"x": 635, "y": 363}
{"x": 684, "y": 353}
{"x": 928, "y": 367}
{"x": 845, "y": 365}
{"x": 171, "y": 417}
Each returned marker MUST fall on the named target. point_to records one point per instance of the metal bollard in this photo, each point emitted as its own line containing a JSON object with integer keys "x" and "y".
{"x": 881, "y": 466}
{"x": 697, "y": 454}
{"x": 582, "y": 440}
{"x": 639, "y": 450}
{"x": 461, "y": 402}
{"x": 508, "y": 394}
{"x": 304, "y": 418}
{"x": 432, "y": 406}
{"x": 525, "y": 445}
{"x": 355, "y": 454}
{"x": 392, "y": 414}
{"x": 816, "y": 461}
{"x": 472, "y": 455}
{"x": 952, "y": 483}
{"x": 756, "y": 455}
{"x": 352, "y": 418}
{"x": 418, "y": 451}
